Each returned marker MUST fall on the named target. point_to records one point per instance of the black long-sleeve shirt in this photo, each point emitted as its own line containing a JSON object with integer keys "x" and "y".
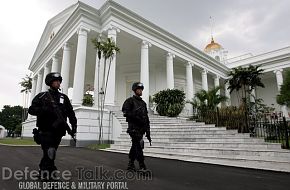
{"x": 42, "y": 107}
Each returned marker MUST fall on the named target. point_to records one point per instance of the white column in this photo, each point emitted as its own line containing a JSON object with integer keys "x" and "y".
{"x": 217, "y": 84}
{"x": 79, "y": 75}
{"x": 111, "y": 87}
{"x": 253, "y": 95}
{"x": 65, "y": 67}
{"x": 144, "y": 75}
{"x": 189, "y": 87}
{"x": 46, "y": 71}
{"x": 33, "y": 89}
{"x": 39, "y": 82}
{"x": 227, "y": 94}
{"x": 55, "y": 63}
{"x": 204, "y": 80}
{"x": 189, "y": 81}
{"x": 279, "y": 78}
{"x": 169, "y": 70}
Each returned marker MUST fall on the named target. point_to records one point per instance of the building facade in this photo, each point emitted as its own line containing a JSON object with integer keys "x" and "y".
{"x": 149, "y": 54}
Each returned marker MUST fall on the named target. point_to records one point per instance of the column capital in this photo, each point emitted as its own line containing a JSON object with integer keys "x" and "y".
{"x": 217, "y": 77}
{"x": 55, "y": 56}
{"x": 145, "y": 44}
{"x": 204, "y": 71}
{"x": 113, "y": 28}
{"x": 46, "y": 64}
{"x": 83, "y": 31}
{"x": 278, "y": 71}
{"x": 171, "y": 55}
{"x": 189, "y": 64}
{"x": 40, "y": 72}
{"x": 34, "y": 77}
{"x": 67, "y": 46}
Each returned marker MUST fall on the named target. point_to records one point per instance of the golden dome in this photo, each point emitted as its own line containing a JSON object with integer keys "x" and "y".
{"x": 212, "y": 46}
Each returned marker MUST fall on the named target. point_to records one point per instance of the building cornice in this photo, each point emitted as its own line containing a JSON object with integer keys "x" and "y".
{"x": 80, "y": 17}
{"x": 269, "y": 61}
{"x": 112, "y": 10}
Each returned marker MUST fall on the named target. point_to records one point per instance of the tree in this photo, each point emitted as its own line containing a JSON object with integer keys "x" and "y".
{"x": 26, "y": 85}
{"x": 107, "y": 49}
{"x": 10, "y": 117}
{"x": 284, "y": 97}
{"x": 208, "y": 100}
{"x": 246, "y": 80}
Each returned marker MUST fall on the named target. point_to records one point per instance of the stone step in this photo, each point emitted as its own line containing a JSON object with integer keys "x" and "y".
{"x": 212, "y": 139}
{"x": 162, "y": 124}
{"x": 277, "y": 155}
{"x": 188, "y": 135}
{"x": 245, "y": 162}
{"x": 181, "y": 129}
{"x": 246, "y": 145}
{"x": 193, "y": 132}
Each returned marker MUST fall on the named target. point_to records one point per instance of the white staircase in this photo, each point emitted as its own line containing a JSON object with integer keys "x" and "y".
{"x": 177, "y": 138}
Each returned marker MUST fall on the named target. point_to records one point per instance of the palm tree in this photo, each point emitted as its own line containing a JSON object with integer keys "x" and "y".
{"x": 246, "y": 80}
{"x": 208, "y": 100}
{"x": 108, "y": 49}
{"x": 26, "y": 85}
{"x": 214, "y": 99}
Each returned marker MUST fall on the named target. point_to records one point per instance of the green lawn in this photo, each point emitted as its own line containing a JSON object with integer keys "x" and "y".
{"x": 17, "y": 141}
{"x": 98, "y": 146}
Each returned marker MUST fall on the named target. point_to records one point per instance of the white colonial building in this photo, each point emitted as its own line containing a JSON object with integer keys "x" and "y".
{"x": 148, "y": 54}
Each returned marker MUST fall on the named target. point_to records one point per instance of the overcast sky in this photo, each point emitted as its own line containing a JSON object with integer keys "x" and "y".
{"x": 240, "y": 26}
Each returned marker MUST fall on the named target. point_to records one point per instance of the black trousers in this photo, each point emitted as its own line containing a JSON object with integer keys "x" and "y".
{"x": 136, "y": 151}
{"x": 49, "y": 145}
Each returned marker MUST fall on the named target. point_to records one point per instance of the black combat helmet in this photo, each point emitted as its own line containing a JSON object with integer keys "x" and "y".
{"x": 137, "y": 85}
{"x": 52, "y": 77}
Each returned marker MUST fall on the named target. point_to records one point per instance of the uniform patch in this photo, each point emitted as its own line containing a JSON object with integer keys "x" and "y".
{"x": 61, "y": 100}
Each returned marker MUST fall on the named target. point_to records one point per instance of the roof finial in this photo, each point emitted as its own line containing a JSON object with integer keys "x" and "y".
{"x": 211, "y": 28}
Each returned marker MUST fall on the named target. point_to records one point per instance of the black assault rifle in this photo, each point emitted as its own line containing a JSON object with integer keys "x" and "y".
{"x": 60, "y": 120}
{"x": 141, "y": 115}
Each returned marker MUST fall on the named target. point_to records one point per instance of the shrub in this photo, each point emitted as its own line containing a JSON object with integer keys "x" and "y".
{"x": 169, "y": 102}
{"x": 88, "y": 100}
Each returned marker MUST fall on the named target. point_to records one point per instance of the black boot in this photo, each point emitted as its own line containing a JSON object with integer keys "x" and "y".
{"x": 43, "y": 175}
{"x": 142, "y": 166}
{"x": 131, "y": 166}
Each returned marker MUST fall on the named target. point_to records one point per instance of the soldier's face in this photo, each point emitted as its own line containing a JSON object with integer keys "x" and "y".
{"x": 138, "y": 92}
{"x": 55, "y": 84}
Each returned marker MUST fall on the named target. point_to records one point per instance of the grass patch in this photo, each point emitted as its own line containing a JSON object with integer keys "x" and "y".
{"x": 98, "y": 146}
{"x": 18, "y": 141}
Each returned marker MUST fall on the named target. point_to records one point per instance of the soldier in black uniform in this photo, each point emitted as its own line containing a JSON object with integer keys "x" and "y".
{"x": 135, "y": 111}
{"x": 52, "y": 109}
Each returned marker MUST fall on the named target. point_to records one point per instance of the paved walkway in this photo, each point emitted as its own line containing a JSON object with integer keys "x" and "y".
{"x": 166, "y": 174}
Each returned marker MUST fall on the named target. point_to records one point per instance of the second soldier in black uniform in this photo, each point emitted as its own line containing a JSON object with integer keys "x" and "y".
{"x": 52, "y": 109}
{"x": 135, "y": 111}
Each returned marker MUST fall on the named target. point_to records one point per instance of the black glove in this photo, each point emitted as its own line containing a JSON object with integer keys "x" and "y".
{"x": 74, "y": 130}
{"x": 148, "y": 137}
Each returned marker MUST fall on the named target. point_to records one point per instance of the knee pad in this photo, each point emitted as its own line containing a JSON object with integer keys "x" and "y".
{"x": 51, "y": 153}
